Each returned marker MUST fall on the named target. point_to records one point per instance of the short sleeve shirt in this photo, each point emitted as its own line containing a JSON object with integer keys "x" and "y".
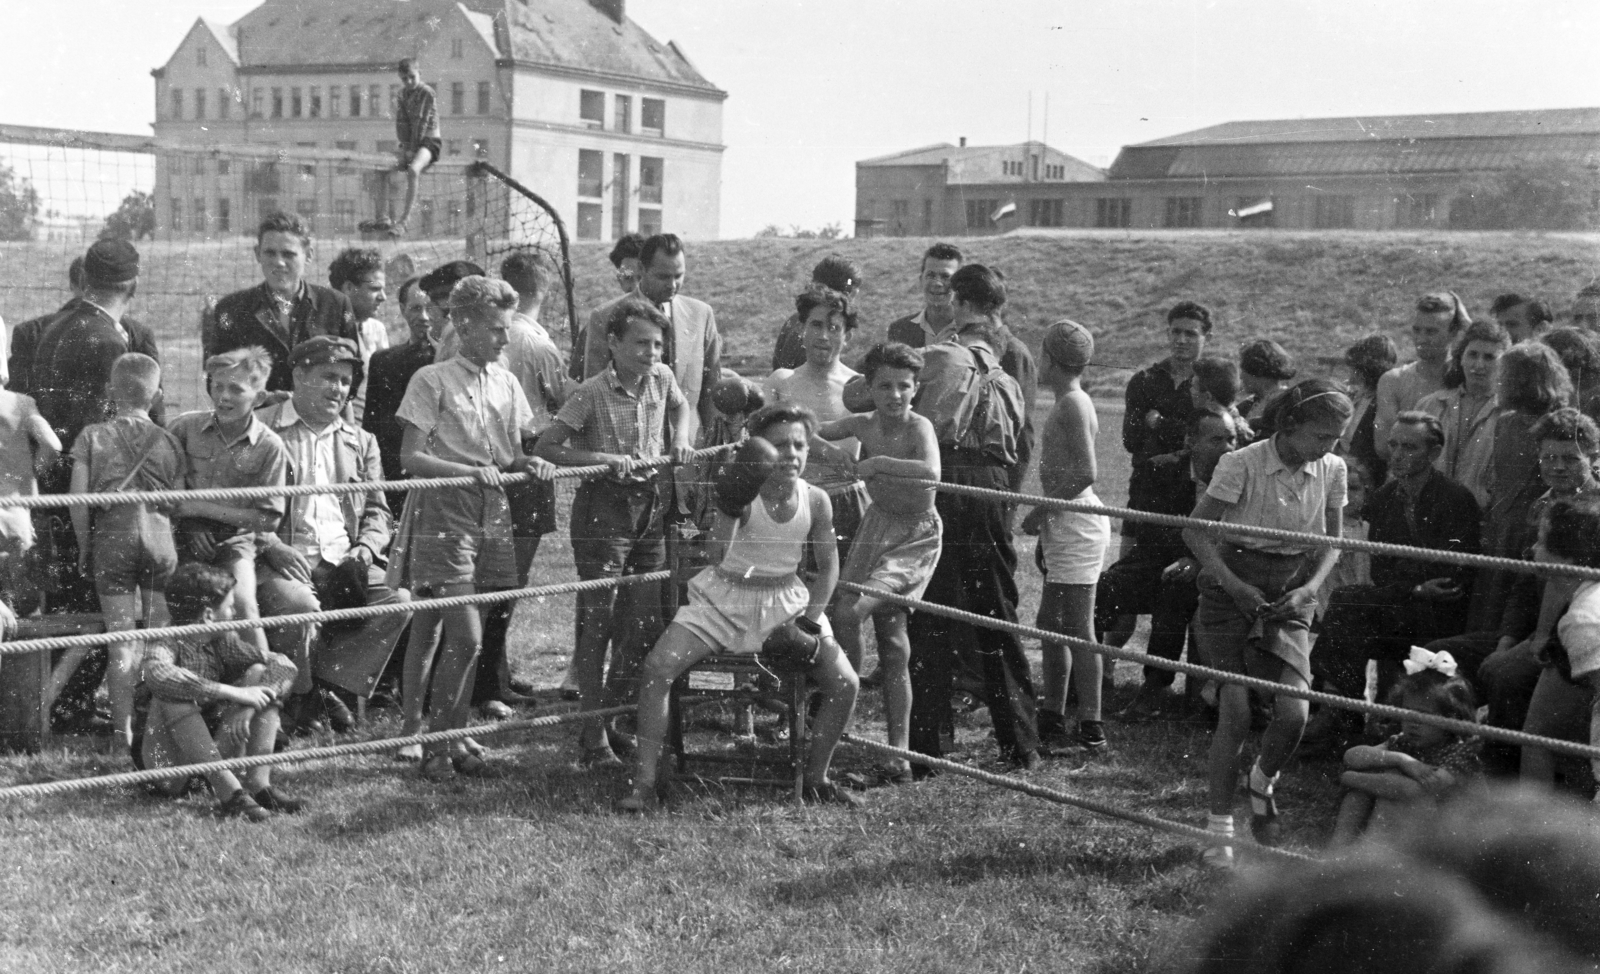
{"x": 469, "y": 413}
{"x": 1260, "y": 490}
{"x": 1579, "y": 629}
{"x": 255, "y": 458}
{"x": 535, "y": 362}
{"x": 112, "y": 452}
{"x": 605, "y": 417}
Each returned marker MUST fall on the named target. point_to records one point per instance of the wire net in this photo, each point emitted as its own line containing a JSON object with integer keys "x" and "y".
{"x": 192, "y": 213}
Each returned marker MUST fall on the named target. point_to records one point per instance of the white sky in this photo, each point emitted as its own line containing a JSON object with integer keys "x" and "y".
{"x": 817, "y": 84}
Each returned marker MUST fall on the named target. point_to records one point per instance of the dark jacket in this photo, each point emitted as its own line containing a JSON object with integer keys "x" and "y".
{"x": 25, "y": 344}
{"x": 1447, "y": 520}
{"x": 71, "y": 369}
{"x": 246, "y": 318}
{"x": 1152, "y": 488}
{"x": 387, "y": 377}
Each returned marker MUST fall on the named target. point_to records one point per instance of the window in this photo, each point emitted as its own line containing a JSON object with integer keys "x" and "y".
{"x": 374, "y": 105}
{"x": 902, "y": 216}
{"x": 394, "y": 100}
{"x": 355, "y": 101}
{"x": 652, "y": 177}
{"x": 425, "y": 212}
{"x": 1182, "y": 211}
{"x": 1421, "y": 210}
{"x": 649, "y": 221}
{"x": 1011, "y": 168}
{"x": 224, "y": 103}
{"x": 264, "y": 179}
{"x": 297, "y": 104}
{"x": 621, "y": 173}
{"x": 385, "y": 147}
{"x": 624, "y": 113}
{"x": 335, "y": 101}
{"x": 589, "y": 217}
{"x": 927, "y": 216}
{"x": 653, "y": 116}
{"x": 452, "y": 216}
{"x": 176, "y": 225}
{"x": 307, "y": 210}
{"x": 1115, "y": 211}
{"x": 455, "y": 48}
{"x": 277, "y": 103}
{"x": 224, "y": 215}
{"x": 1034, "y": 159}
{"x": 257, "y": 97}
{"x": 458, "y": 98}
{"x": 591, "y": 173}
{"x": 224, "y": 167}
{"x": 978, "y": 213}
{"x": 483, "y": 98}
{"x": 266, "y": 206}
{"x": 592, "y": 108}
{"x": 1334, "y": 212}
{"x": 1055, "y": 172}
{"x": 177, "y": 104}
{"x": 200, "y": 56}
{"x": 198, "y": 217}
{"x": 480, "y": 148}
{"x": 199, "y": 104}
{"x": 1047, "y": 213}
{"x": 315, "y": 102}
{"x": 307, "y": 168}
{"x": 344, "y": 215}
{"x": 452, "y": 147}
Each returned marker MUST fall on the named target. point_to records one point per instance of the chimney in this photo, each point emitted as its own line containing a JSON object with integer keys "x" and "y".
{"x": 963, "y": 142}
{"x": 615, "y": 9}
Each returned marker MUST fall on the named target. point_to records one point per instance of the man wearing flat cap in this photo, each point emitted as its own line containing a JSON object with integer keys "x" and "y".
{"x": 284, "y": 309}
{"x": 329, "y": 549}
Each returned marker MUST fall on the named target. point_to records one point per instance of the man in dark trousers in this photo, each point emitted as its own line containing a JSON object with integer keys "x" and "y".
{"x": 283, "y": 310}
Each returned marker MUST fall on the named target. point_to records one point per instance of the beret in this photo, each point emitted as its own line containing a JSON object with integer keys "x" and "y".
{"x": 110, "y": 262}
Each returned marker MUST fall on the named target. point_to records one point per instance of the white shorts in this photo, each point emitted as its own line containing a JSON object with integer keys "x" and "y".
{"x": 735, "y": 617}
{"x": 1074, "y": 544}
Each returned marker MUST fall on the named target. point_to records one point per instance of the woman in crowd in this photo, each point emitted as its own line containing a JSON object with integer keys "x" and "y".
{"x": 1467, "y": 406}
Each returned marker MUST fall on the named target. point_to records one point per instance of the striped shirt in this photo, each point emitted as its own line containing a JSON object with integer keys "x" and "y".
{"x": 1261, "y": 490}
{"x": 606, "y": 417}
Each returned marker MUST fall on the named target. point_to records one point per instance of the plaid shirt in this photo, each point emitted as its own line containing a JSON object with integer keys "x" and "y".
{"x": 606, "y": 417}
{"x": 197, "y": 667}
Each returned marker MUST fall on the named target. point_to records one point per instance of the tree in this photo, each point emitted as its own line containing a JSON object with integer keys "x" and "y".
{"x": 135, "y": 218}
{"x": 19, "y": 206}
{"x": 1554, "y": 195}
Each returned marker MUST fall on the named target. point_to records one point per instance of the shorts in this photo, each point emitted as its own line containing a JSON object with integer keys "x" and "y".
{"x": 734, "y": 615}
{"x": 617, "y": 529}
{"x": 462, "y": 536}
{"x": 131, "y": 549}
{"x": 435, "y": 145}
{"x": 849, "y": 503}
{"x": 1229, "y": 636}
{"x": 1074, "y": 544}
{"x": 895, "y": 552}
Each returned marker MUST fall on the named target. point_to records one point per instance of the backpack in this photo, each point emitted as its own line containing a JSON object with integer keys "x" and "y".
{"x": 973, "y": 404}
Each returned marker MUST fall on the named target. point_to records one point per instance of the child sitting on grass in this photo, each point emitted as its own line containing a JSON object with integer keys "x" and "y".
{"x": 231, "y": 679}
{"x": 753, "y": 590}
{"x": 130, "y": 544}
{"x": 1422, "y": 764}
{"x": 897, "y": 544}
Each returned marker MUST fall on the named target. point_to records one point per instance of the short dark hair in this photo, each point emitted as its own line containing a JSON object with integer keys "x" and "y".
{"x": 1572, "y": 530}
{"x": 838, "y": 272}
{"x": 781, "y": 412}
{"x": 837, "y": 303}
{"x": 891, "y": 355}
{"x": 1218, "y": 378}
{"x": 411, "y": 284}
{"x": 1429, "y": 422}
{"x": 528, "y": 271}
{"x": 940, "y": 251}
{"x": 627, "y": 246}
{"x": 1568, "y": 425}
{"x": 75, "y": 272}
{"x": 1533, "y": 380}
{"x": 1486, "y": 330}
{"x": 1226, "y": 413}
{"x": 282, "y": 222}
{"x": 661, "y": 243}
{"x": 195, "y": 587}
{"x": 1308, "y": 401}
{"x": 439, "y": 282}
{"x": 1539, "y": 312}
{"x": 1505, "y": 302}
{"x": 631, "y": 309}
{"x": 1192, "y": 311}
{"x": 1371, "y": 357}
{"x": 1266, "y": 359}
{"x": 406, "y": 62}
{"x": 352, "y": 266}
{"x": 980, "y": 287}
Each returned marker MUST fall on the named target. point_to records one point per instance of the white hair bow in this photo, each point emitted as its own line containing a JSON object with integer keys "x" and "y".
{"x": 1421, "y": 659}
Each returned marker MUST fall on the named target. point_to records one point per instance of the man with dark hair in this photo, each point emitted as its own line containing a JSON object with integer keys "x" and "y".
{"x": 1159, "y": 404}
{"x": 1439, "y": 318}
{"x": 437, "y": 285}
{"x": 391, "y": 370}
{"x": 835, "y": 272}
{"x": 1526, "y": 320}
{"x": 284, "y": 309}
{"x": 625, "y": 259}
{"x": 359, "y": 275}
{"x": 927, "y": 326}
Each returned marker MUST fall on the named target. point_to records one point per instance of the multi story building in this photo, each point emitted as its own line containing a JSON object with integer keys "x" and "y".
{"x": 617, "y": 131}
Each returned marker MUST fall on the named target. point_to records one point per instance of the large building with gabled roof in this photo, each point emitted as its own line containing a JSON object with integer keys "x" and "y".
{"x": 619, "y": 131}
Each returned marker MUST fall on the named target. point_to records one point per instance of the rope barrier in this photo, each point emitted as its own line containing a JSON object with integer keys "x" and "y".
{"x": 301, "y": 618}
{"x": 1223, "y": 676}
{"x": 379, "y": 745}
{"x": 1013, "y": 783}
{"x": 307, "y": 490}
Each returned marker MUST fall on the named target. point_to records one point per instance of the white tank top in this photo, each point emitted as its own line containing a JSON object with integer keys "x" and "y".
{"x": 763, "y": 548}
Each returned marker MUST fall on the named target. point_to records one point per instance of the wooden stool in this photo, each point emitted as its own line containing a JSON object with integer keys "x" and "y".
{"x": 743, "y": 679}
{"x": 25, "y": 679}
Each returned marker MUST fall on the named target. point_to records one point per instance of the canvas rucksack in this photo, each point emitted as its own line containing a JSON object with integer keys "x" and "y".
{"x": 973, "y": 404}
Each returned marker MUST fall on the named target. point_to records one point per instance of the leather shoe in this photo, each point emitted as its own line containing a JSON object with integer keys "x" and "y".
{"x": 275, "y": 801}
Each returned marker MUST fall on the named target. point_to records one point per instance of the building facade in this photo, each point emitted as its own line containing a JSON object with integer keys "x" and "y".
{"x": 617, "y": 131}
{"x": 1378, "y": 173}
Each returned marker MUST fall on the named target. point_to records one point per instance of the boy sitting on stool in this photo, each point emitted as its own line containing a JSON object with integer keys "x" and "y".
{"x": 753, "y": 601}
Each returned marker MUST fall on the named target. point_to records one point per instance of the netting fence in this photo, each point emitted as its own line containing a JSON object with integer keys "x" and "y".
{"x": 192, "y": 212}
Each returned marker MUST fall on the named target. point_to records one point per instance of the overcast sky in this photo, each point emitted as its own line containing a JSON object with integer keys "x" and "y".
{"x": 815, "y": 85}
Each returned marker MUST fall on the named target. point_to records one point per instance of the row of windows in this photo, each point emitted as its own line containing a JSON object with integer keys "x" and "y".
{"x": 316, "y": 102}
{"x": 591, "y": 187}
{"x": 1020, "y": 168}
{"x": 652, "y": 113}
{"x": 216, "y": 216}
{"x": 178, "y": 167}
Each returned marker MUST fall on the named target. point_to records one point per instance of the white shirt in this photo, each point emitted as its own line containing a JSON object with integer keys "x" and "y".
{"x": 1260, "y": 489}
{"x": 372, "y": 336}
{"x": 320, "y": 530}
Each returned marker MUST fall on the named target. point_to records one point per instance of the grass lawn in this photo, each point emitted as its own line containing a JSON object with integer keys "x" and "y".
{"x": 388, "y": 873}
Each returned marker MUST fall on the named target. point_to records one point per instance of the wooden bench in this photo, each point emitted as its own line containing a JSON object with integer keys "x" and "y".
{"x": 25, "y": 679}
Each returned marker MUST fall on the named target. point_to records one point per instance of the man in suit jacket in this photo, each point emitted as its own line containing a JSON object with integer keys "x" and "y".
{"x": 284, "y": 309}
{"x": 625, "y": 258}
{"x": 693, "y": 347}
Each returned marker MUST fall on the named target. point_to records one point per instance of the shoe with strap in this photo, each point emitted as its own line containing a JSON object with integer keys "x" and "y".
{"x": 241, "y": 805}
{"x": 276, "y": 801}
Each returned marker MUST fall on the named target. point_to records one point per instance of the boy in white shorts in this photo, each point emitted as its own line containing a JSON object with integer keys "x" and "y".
{"x": 897, "y": 545}
{"x": 754, "y": 590}
{"x": 1072, "y": 545}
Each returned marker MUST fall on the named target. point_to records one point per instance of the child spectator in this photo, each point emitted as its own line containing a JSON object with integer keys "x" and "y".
{"x": 417, "y": 146}
{"x": 897, "y": 546}
{"x": 129, "y": 545}
{"x": 619, "y": 418}
{"x": 1072, "y": 544}
{"x": 185, "y": 678}
{"x": 1418, "y": 767}
{"x": 230, "y": 447}
{"x": 754, "y": 590}
{"x": 465, "y": 416}
{"x": 827, "y": 319}
{"x": 1257, "y": 595}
